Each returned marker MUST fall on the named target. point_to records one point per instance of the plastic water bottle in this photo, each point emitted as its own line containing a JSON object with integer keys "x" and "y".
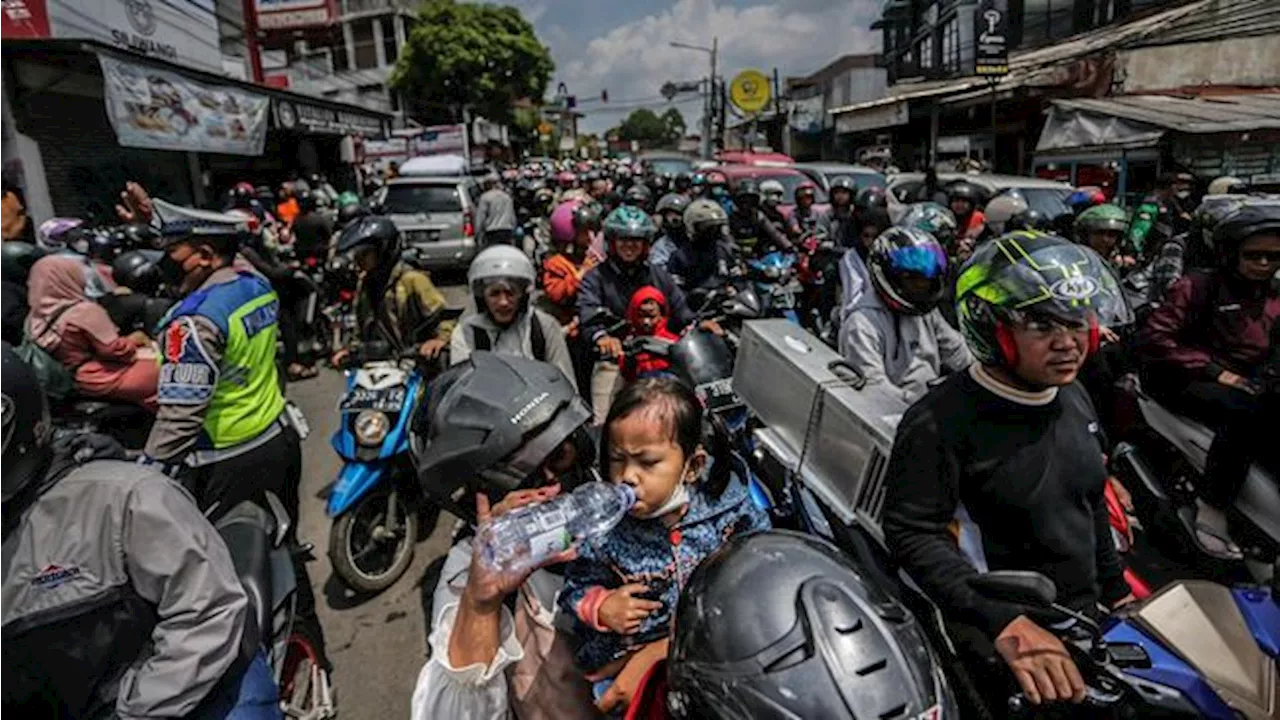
{"x": 525, "y": 537}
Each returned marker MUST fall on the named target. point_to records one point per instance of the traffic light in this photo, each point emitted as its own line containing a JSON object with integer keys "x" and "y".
{"x": 604, "y": 96}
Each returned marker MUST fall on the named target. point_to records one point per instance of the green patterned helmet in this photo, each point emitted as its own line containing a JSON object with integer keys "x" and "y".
{"x": 1031, "y": 273}
{"x": 347, "y": 199}
{"x": 932, "y": 218}
{"x": 1099, "y": 218}
{"x": 629, "y": 222}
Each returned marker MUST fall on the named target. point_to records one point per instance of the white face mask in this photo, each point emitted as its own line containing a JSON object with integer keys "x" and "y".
{"x": 679, "y": 496}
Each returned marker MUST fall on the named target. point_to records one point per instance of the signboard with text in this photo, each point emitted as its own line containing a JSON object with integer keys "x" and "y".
{"x": 991, "y": 30}
{"x": 183, "y": 32}
{"x": 297, "y": 115}
{"x": 24, "y": 19}
{"x": 293, "y": 14}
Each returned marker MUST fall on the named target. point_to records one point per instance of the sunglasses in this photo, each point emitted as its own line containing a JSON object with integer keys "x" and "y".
{"x": 1271, "y": 257}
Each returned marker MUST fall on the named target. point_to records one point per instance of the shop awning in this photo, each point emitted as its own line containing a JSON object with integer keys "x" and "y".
{"x": 1136, "y": 121}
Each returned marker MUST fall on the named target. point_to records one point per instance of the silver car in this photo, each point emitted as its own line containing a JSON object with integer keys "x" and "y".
{"x": 1047, "y": 196}
{"x": 436, "y": 215}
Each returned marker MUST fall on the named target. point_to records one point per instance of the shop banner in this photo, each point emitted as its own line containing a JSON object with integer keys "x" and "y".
{"x": 162, "y": 110}
{"x": 179, "y": 31}
{"x": 294, "y": 14}
{"x": 439, "y": 139}
{"x": 24, "y": 19}
{"x": 806, "y": 115}
{"x": 295, "y": 115}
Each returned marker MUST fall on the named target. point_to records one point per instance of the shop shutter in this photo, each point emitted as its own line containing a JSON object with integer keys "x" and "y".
{"x": 84, "y": 164}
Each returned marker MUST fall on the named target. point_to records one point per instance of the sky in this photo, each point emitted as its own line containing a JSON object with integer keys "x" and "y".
{"x": 623, "y": 47}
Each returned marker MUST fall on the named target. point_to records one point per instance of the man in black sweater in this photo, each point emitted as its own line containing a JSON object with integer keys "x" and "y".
{"x": 1001, "y": 467}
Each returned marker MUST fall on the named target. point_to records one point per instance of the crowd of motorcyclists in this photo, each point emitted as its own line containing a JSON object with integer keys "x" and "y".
{"x": 1008, "y": 333}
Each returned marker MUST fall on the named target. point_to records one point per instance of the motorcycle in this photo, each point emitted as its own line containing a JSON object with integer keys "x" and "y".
{"x": 819, "y": 273}
{"x": 774, "y": 278}
{"x": 264, "y": 561}
{"x": 1195, "y": 649}
{"x": 376, "y": 504}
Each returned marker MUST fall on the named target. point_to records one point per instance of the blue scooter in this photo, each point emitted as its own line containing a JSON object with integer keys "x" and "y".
{"x": 375, "y": 503}
{"x": 1195, "y": 649}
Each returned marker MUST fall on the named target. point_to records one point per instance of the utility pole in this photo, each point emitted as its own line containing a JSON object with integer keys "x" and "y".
{"x": 709, "y": 107}
{"x": 250, "y": 12}
{"x": 784, "y": 122}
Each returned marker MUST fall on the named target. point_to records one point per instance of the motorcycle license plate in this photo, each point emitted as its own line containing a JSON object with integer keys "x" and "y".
{"x": 388, "y": 400}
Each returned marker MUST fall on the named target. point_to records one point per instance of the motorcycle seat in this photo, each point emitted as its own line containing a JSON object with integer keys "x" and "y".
{"x": 247, "y": 529}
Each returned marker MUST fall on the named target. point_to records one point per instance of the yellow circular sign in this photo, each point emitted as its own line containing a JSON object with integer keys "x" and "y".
{"x": 750, "y": 91}
{"x": 544, "y": 128}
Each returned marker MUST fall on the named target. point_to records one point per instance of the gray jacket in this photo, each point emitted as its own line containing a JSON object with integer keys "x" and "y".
{"x": 516, "y": 339}
{"x": 118, "y": 597}
{"x": 495, "y": 211}
{"x": 907, "y": 351}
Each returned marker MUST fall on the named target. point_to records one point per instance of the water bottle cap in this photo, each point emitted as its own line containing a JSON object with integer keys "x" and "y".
{"x": 629, "y": 493}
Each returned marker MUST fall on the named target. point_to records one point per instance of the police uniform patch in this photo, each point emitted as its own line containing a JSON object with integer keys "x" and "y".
{"x": 188, "y": 375}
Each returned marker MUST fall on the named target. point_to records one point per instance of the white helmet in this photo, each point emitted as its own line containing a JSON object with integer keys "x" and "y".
{"x": 500, "y": 261}
{"x": 772, "y": 190}
{"x": 1226, "y": 185}
{"x": 1000, "y": 209}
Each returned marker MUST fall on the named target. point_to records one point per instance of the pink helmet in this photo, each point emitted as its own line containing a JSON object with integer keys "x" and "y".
{"x": 562, "y": 232}
{"x": 566, "y": 178}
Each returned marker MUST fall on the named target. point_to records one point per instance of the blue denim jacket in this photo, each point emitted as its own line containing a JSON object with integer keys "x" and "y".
{"x": 646, "y": 552}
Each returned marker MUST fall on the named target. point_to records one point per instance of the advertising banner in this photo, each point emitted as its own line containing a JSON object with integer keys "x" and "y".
{"x": 806, "y": 115}
{"x": 184, "y": 32}
{"x": 991, "y": 28}
{"x": 293, "y": 14}
{"x": 153, "y": 108}
{"x": 24, "y": 19}
{"x": 298, "y": 115}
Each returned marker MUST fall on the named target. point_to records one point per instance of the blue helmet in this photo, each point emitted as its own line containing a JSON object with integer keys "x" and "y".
{"x": 629, "y": 222}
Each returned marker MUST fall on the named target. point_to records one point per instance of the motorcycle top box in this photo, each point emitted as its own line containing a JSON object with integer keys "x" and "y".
{"x": 820, "y": 418}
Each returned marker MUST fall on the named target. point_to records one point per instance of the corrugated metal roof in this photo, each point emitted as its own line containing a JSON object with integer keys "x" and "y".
{"x": 1201, "y": 20}
{"x": 1195, "y": 116}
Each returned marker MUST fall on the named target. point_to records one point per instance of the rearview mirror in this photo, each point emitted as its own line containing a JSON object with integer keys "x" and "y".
{"x": 1018, "y": 586}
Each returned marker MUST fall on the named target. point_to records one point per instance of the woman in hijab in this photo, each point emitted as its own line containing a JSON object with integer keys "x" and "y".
{"x": 78, "y": 333}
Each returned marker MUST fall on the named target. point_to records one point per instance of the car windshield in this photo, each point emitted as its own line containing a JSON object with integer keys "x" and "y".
{"x": 860, "y": 180}
{"x": 409, "y": 199}
{"x": 670, "y": 166}
{"x": 790, "y": 181}
{"x": 1051, "y": 202}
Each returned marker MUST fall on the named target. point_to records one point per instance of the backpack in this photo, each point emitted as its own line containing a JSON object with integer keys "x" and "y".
{"x": 56, "y": 380}
{"x": 537, "y": 338}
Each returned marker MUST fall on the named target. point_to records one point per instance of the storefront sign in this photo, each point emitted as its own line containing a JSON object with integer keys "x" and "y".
{"x": 153, "y": 108}
{"x": 440, "y": 139}
{"x": 396, "y": 148}
{"x": 953, "y": 144}
{"x": 294, "y": 115}
{"x": 750, "y": 91}
{"x": 806, "y": 115}
{"x": 24, "y": 19}
{"x": 872, "y": 118}
{"x": 991, "y": 28}
{"x": 292, "y": 14}
{"x": 183, "y": 31}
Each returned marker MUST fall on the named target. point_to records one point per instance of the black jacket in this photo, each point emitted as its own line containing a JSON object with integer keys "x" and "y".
{"x": 608, "y": 287}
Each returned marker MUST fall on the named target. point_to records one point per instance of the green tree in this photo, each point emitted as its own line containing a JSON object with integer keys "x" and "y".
{"x": 480, "y": 56}
{"x": 644, "y": 126}
{"x": 674, "y": 123}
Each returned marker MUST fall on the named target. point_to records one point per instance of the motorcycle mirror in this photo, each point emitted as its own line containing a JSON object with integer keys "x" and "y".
{"x": 1020, "y": 586}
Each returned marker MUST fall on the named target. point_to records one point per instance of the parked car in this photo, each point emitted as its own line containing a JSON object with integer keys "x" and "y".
{"x": 823, "y": 173}
{"x": 790, "y": 178}
{"x": 1047, "y": 196}
{"x": 436, "y": 215}
{"x": 751, "y": 157}
{"x": 667, "y": 163}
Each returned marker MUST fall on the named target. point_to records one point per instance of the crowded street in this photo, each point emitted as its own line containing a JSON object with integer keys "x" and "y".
{"x": 695, "y": 359}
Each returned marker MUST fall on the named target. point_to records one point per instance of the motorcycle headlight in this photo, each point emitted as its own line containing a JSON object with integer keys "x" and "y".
{"x": 371, "y": 427}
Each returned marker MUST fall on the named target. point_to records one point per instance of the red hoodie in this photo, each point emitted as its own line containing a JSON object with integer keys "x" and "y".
{"x": 645, "y": 364}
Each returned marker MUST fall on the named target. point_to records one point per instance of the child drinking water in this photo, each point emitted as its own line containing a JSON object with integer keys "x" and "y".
{"x": 623, "y": 589}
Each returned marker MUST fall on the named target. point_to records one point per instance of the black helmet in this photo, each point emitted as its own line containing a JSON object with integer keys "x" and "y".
{"x": 26, "y": 427}
{"x": 899, "y": 254}
{"x": 1254, "y": 216}
{"x": 139, "y": 270}
{"x": 348, "y": 213}
{"x": 138, "y": 236}
{"x": 871, "y": 196}
{"x": 374, "y": 230}
{"x": 682, "y": 181}
{"x": 16, "y": 259}
{"x": 586, "y": 215}
{"x": 747, "y": 187}
{"x": 965, "y": 190}
{"x": 1029, "y": 219}
{"x": 812, "y": 639}
{"x": 672, "y": 202}
{"x": 494, "y": 419}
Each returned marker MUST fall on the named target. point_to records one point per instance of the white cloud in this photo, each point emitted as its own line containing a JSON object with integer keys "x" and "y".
{"x": 633, "y": 60}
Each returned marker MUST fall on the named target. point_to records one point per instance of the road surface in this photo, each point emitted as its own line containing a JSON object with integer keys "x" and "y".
{"x": 377, "y": 644}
